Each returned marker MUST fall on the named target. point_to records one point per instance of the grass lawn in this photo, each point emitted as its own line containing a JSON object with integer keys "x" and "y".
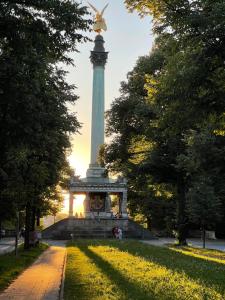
{"x": 11, "y": 266}
{"x": 133, "y": 271}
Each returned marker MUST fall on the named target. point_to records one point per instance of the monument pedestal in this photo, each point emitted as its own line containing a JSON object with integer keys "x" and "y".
{"x": 95, "y": 171}
{"x": 98, "y": 190}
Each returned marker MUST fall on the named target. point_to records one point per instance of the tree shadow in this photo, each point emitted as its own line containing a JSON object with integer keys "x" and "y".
{"x": 196, "y": 268}
{"x": 211, "y": 274}
{"x": 129, "y": 289}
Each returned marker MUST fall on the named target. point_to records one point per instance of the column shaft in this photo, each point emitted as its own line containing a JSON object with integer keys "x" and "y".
{"x": 87, "y": 210}
{"x": 108, "y": 203}
{"x": 71, "y": 205}
{"x": 87, "y": 203}
{"x": 124, "y": 205}
{"x": 98, "y": 108}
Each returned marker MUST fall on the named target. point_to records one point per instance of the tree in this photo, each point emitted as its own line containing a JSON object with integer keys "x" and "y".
{"x": 184, "y": 93}
{"x": 203, "y": 205}
{"x": 34, "y": 119}
{"x": 131, "y": 121}
{"x": 187, "y": 97}
{"x": 203, "y": 162}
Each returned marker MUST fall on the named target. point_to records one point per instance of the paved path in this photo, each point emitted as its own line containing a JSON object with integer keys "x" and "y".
{"x": 42, "y": 280}
{"x": 210, "y": 244}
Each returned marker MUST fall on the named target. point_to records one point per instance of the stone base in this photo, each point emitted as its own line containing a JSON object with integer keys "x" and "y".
{"x": 95, "y": 171}
{"x": 101, "y": 215}
{"x": 95, "y": 228}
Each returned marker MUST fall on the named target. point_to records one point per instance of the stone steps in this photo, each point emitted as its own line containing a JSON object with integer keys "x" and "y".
{"x": 89, "y": 228}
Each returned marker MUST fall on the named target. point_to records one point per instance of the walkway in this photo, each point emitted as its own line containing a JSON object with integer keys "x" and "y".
{"x": 210, "y": 244}
{"x": 42, "y": 280}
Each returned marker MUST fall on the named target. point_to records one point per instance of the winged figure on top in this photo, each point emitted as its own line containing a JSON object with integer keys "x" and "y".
{"x": 99, "y": 21}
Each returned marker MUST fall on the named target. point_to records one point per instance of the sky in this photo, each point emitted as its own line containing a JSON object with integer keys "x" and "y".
{"x": 128, "y": 37}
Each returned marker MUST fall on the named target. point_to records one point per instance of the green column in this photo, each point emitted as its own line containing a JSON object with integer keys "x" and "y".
{"x": 98, "y": 59}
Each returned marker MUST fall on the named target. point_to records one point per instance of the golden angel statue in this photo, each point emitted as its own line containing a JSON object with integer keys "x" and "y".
{"x": 99, "y": 22}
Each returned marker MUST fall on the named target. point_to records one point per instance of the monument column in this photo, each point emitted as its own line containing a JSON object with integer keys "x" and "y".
{"x": 124, "y": 205}
{"x": 108, "y": 203}
{"x": 71, "y": 205}
{"x": 97, "y": 185}
{"x": 87, "y": 205}
{"x": 98, "y": 58}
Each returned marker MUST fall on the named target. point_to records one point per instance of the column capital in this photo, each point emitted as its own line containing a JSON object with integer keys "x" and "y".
{"x": 99, "y": 55}
{"x": 99, "y": 59}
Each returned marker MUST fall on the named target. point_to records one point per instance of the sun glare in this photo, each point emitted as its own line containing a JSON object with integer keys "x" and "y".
{"x": 79, "y": 163}
{"x": 78, "y": 205}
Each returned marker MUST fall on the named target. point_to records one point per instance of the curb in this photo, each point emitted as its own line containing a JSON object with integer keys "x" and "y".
{"x": 61, "y": 289}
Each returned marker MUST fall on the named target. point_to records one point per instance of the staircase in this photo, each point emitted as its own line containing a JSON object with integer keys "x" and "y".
{"x": 69, "y": 228}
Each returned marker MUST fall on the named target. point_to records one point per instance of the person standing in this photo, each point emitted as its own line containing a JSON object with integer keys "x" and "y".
{"x": 120, "y": 233}
{"x": 115, "y": 232}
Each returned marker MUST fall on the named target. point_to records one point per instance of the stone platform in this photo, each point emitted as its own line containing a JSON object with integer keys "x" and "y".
{"x": 94, "y": 228}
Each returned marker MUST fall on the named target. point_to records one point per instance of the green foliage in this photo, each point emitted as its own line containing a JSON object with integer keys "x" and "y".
{"x": 204, "y": 207}
{"x": 203, "y": 161}
{"x": 101, "y": 156}
{"x": 168, "y": 125}
{"x": 35, "y": 122}
{"x": 131, "y": 120}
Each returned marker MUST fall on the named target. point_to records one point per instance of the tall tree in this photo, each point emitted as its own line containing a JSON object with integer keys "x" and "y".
{"x": 185, "y": 94}
{"x": 34, "y": 119}
{"x": 131, "y": 121}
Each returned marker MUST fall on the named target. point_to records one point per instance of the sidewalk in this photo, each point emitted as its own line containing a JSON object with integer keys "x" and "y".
{"x": 42, "y": 280}
{"x": 210, "y": 244}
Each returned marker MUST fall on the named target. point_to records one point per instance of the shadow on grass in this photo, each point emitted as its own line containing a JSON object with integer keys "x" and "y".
{"x": 130, "y": 290}
{"x": 208, "y": 272}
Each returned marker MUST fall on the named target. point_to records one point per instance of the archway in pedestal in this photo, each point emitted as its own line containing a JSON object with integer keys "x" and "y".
{"x": 78, "y": 205}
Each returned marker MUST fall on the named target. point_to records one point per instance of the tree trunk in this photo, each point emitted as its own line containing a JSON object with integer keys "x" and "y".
{"x": 182, "y": 222}
{"x": 17, "y": 232}
{"x": 203, "y": 235}
{"x": 27, "y": 226}
{"x": 148, "y": 223}
{"x": 33, "y": 218}
{"x": 38, "y": 217}
{"x": 0, "y": 229}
